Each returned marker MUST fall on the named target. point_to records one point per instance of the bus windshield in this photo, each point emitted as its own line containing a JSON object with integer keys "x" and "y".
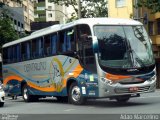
{"x": 123, "y": 46}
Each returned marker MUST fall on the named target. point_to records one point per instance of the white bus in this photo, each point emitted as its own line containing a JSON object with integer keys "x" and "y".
{"x": 87, "y": 58}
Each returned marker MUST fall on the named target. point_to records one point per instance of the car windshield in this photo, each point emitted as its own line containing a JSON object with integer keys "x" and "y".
{"x": 124, "y": 46}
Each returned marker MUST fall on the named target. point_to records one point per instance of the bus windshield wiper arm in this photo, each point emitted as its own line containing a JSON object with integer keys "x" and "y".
{"x": 137, "y": 58}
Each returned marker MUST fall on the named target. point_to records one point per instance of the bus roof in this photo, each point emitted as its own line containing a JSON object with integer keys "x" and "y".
{"x": 89, "y": 21}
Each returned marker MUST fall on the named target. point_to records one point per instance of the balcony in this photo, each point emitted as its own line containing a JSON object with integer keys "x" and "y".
{"x": 155, "y": 39}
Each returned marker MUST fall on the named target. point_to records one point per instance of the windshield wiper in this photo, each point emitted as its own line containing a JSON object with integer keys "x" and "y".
{"x": 137, "y": 58}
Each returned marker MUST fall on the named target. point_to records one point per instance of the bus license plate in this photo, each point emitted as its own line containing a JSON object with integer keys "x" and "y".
{"x": 133, "y": 89}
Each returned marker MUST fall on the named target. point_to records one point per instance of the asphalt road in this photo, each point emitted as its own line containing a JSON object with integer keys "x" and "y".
{"x": 148, "y": 103}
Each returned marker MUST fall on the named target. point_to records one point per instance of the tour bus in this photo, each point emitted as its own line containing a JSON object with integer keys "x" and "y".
{"x": 87, "y": 58}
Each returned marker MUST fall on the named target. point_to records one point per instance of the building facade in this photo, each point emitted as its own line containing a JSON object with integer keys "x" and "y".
{"x": 120, "y": 8}
{"x": 46, "y": 11}
{"x": 21, "y": 13}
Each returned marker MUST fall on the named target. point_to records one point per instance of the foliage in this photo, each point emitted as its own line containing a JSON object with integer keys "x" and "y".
{"x": 154, "y": 5}
{"x": 89, "y": 8}
{"x": 7, "y": 31}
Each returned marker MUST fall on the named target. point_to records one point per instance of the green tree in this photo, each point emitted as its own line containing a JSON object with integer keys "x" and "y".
{"x": 154, "y": 5}
{"x": 7, "y": 31}
{"x": 89, "y": 8}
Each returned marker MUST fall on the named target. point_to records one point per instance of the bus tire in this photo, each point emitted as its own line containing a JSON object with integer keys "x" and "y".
{"x": 123, "y": 99}
{"x": 25, "y": 94}
{"x": 75, "y": 96}
{"x": 1, "y": 104}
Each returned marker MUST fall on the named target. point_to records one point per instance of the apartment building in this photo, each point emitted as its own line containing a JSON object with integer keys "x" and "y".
{"x": 48, "y": 11}
{"x": 126, "y": 9}
{"x": 21, "y": 13}
{"x": 28, "y": 6}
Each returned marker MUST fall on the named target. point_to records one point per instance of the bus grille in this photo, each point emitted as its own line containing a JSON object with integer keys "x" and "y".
{"x": 127, "y": 90}
{"x": 133, "y": 82}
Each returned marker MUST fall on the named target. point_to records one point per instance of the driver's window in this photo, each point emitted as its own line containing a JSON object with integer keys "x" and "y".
{"x": 85, "y": 47}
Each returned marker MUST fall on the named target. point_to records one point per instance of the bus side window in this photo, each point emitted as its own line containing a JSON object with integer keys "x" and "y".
{"x": 9, "y": 54}
{"x": 67, "y": 41}
{"x": 26, "y": 50}
{"x": 70, "y": 41}
{"x": 5, "y": 57}
{"x": 16, "y": 53}
{"x": 47, "y": 45}
{"x": 34, "y": 46}
{"x": 61, "y": 43}
{"x": 54, "y": 39}
{"x": 40, "y": 48}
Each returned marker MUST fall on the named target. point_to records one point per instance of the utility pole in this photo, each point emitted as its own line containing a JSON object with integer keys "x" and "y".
{"x": 79, "y": 9}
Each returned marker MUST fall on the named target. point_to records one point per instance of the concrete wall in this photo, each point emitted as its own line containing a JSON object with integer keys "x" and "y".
{"x": 125, "y": 11}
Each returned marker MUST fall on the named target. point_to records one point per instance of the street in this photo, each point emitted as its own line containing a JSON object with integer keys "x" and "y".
{"x": 148, "y": 103}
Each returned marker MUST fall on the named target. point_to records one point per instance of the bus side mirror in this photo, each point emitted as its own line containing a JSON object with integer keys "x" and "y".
{"x": 95, "y": 43}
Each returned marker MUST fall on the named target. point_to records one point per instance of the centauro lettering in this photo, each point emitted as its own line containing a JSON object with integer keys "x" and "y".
{"x": 35, "y": 66}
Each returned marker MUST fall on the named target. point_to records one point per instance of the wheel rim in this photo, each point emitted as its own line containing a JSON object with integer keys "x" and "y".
{"x": 25, "y": 95}
{"x": 76, "y": 94}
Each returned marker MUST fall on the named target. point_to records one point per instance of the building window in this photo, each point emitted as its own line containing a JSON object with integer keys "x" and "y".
{"x": 40, "y": 8}
{"x": 19, "y": 24}
{"x": 42, "y": 15}
{"x": 22, "y": 26}
{"x": 41, "y": 1}
{"x": 50, "y": 15}
{"x": 150, "y": 27}
{"x": 25, "y": 8}
{"x": 158, "y": 26}
{"x": 120, "y": 3}
{"x": 15, "y": 22}
{"x": 49, "y": 7}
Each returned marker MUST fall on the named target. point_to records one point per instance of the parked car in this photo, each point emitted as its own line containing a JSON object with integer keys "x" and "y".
{"x": 2, "y": 95}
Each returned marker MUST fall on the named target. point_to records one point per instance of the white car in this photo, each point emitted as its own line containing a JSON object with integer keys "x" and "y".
{"x": 2, "y": 94}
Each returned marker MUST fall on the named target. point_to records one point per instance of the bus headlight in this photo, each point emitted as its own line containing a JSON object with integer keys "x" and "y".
{"x": 153, "y": 78}
{"x": 106, "y": 81}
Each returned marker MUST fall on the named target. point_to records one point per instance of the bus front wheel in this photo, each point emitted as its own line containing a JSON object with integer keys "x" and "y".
{"x": 75, "y": 96}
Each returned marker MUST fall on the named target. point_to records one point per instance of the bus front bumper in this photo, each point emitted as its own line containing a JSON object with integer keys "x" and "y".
{"x": 118, "y": 89}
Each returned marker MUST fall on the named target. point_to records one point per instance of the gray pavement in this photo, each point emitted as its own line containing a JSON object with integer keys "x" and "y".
{"x": 147, "y": 103}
